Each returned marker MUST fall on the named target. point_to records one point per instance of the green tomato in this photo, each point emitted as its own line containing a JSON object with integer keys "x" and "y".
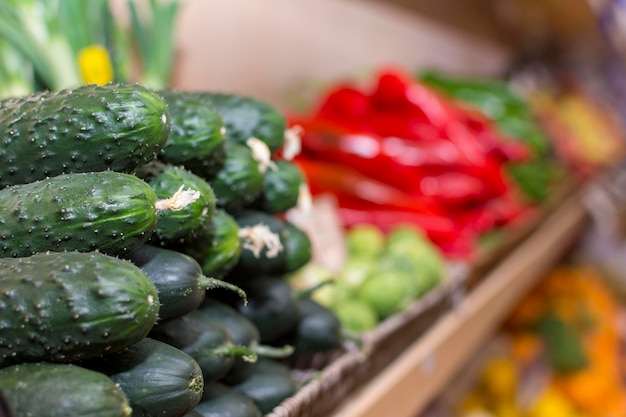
{"x": 355, "y": 315}
{"x": 365, "y": 241}
{"x": 387, "y": 292}
{"x": 308, "y": 276}
{"x": 355, "y": 270}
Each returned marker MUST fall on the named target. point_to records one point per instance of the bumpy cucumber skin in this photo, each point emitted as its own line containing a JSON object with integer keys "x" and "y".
{"x": 67, "y": 306}
{"x": 240, "y": 181}
{"x": 281, "y": 188}
{"x": 176, "y": 225}
{"x": 84, "y": 129}
{"x": 246, "y": 117}
{"x": 218, "y": 248}
{"x": 61, "y": 390}
{"x": 107, "y": 211}
{"x": 158, "y": 379}
{"x": 197, "y": 136}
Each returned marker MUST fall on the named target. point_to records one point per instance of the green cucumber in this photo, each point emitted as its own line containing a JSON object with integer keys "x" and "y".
{"x": 84, "y": 129}
{"x": 240, "y": 181}
{"x": 318, "y": 330}
{"x": 289, "y": 249}
{"x": 255, "y": 260}
{"x": 247, "y": 117}
{"x": 107, "y": 211}
{"x": 219, "y": 400}
{"x": 242, "y": 333}
{"x": 176, "y": 225}
{"x": 193, "y": 413}
{"x": 217, "y": 247}
{"x": 197, "y": 137}
{"x": 158, "y": 379}
{"x": 271, "y": 306}
{"x": 66, "y": 306}
{"x": 281, "y": 187}
{"x": 269, "y": 383}
{"x": 177, "y": 277}
{"x": 204, "y": 340}
{"x": 297, "y": 247}
{"x": 55, "y": 390}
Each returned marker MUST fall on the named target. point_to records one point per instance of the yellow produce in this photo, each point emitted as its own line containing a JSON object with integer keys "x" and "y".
{"x": 499, "y": 378}
{"x": 551, "y": 403}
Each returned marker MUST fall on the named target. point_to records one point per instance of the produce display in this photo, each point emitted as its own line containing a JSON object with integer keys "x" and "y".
{"x": 421, "y": 151}
{"x": 156, "y": 261}
{"x": 155, "y": 282}
{"x": 561, "y": 356}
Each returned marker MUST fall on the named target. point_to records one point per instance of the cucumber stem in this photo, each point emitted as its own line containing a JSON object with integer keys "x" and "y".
{"x": 305, "y": 199}
{"x": 208, "y": 283}
{"x": 178, "y": 201}
{"x": 261, "y": 153}
{"x": 237, "y": 351}
{"x": 308, "y": 292}
{"x": 293, "y": 142}
{"x": 273, "y": 351}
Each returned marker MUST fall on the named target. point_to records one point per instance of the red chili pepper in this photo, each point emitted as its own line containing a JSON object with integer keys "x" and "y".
{"x": 336, "y": 142}
{"x": 344, "y": 102}
{"x": 400, "y": 162}
{"x": 453, "y": 188}
{"x": 345, "y": 181}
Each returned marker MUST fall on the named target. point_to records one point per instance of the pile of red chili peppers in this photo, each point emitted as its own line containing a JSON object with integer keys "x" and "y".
{"x": 400, "y": 152}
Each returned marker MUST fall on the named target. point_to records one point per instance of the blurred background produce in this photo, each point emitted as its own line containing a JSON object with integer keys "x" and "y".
{"x": 307, "y": 196}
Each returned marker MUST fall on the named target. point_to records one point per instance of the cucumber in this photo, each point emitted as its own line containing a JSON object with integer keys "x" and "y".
{"x": 269, "y": 383}
{"x": 55, "y": 390}
{"x": 197, "y": 137}
{"x": 318, "y": 330}
{"x": 242, "y": 332}
{"x": 297, "y": 247}
{"x": 107, "y": 211}
{"x": 83, "y": 129}
{"x": 271, "y": 306}
{"x": 270, "y": 258}
{"x": 193, "y": 413}
{"x": 217, "y": 247}
{"x": 158, "y": 379}
{"x": 240, "y": 181}
{"x": 288, "y": 250}
{"x": 66, "y": 306}
{"x": 219, "y": 400}
{"x": 178, "y": 278}
{"x": 176, "y": 225}
{"x": 247, "y": 117}
{"x": 281, "y": 187}
{"x": 205, "y": 341}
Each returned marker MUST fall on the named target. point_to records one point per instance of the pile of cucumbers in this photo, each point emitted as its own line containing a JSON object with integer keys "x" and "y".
{"x": 144, "y": 251}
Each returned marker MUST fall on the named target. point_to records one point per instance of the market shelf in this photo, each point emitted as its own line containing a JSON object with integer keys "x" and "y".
{"x": 408, "y": 358}
{"x": 419, "y": 373}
